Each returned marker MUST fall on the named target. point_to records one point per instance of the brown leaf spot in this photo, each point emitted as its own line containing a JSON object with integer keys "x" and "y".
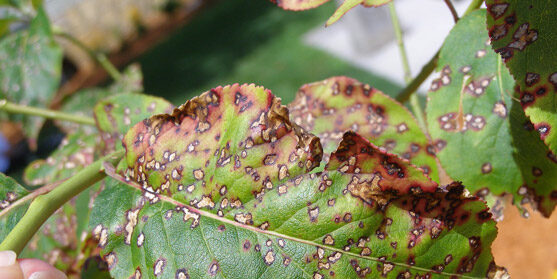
{"x": 158, "y": 268}
{"x": 198, "y": 174}
{"x": 182, "y": 273}
{"x": 328, "y": 240}
{"x": 531, "y": 78}
{"x": 111, "y": 259}
{"x": 486, "y": 168}
{"x": 214, "y": 268}
{"x": 500, "y": 109}
{"x": 497, "y": 10}
{"x": 269, "y": 257}
{"x": 270, "y": 159}
{"x": 313, "y": 213}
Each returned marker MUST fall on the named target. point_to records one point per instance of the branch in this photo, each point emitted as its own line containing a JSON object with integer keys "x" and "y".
{"x": 97, "y": 56}
{"x": 46, "y": 113}
{"x": 45, "y": 205}
{"x": 414, "y": 102}
{"x": 452, "y": 9}
{"x": 428, "y": 68}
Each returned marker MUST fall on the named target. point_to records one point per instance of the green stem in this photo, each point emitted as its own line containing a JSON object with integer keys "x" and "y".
{"x": 428, "y": 68}
{"x": 97, "y": 56}
{"x": 414, "y": 102}
{"x": 46, "y": 113}
{"x": 45, "y": 205}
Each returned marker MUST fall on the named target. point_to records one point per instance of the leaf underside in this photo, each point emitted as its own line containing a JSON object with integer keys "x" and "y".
{"x": 333, "y": 106}
{"x": 220, "y": 189}
{"x": 482, "y": 137}
{"x": 524, "y": 34}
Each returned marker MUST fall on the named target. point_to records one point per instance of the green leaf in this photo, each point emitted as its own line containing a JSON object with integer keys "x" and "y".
{"x": 482, "y": 137}
{"x": 74, "y": 153}
{"x": 30, "y": 68}
{"x": 331, "y": 107}
{"x": 299, "y": 5}
{"x": 220, "y": 189}
{"x": 117, "y": 114}
{"x": 524, "y": 34}
{"x": 11, "y": 208}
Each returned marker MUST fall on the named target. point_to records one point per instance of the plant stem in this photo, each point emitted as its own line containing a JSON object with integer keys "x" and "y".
{"x": 52, "y": 114}
{"x": 97, "y": 56}
{"x": 428, "y": 68}
{"x": 44, "y": 206}
{"x": 452, "y": 9}
{"x": 414, "y": 102}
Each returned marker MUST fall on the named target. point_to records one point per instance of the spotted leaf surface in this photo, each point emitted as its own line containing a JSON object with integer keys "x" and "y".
{"x": 481, "y": 135}
{"x": 11, "y": 207}
{"x": 524, "y": 34}
{"x": 331, "y": 107}
{"x": 115, "y": 115}
{"x": 75, "y": 152}
{"x": 80, "y": 103}
{"x": 30, "y": 67}
{"x": 223, "y": 208}
{"x": 298, "y": 5}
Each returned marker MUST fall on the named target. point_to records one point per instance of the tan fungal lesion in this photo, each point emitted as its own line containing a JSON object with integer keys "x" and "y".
{"x": 100, "y": 234}
{"x": 159, "y": 266}
{"x": 10, "y": 198}
{"x": 140, "y": 239}
{"x": 190, "y": 215}
{"x": 269, "y": 257}
{"x": 131, "y": 222}
{"x": 198, "y": 174}
{"x": 443, "y": 80}
{"x": 480, "y": 53}
{"x": 214, "y": 268}
{"x": 244, "y": 218}
{"x": 500, "y": 109}
{"x": 328, "y": 240}
{"x": 478, "y": 87}
{"x": 111, "y": 260}
{"x": 182, "y": 274}
{"x": 486, "y": 168}
{"x": 313, "y": 213}
{"x": 523, "y": 36}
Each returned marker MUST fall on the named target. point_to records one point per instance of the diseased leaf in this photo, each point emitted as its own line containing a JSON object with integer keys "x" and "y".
{"x": 11, "y": 210}
{"x": 298, "y": 5}
{"x": 331, "y": 107}
{"x": 482, "y": 137}
{"x": 220, "y": 189}
{"x": 30, "y": 68}
{"x": 117, "y": 114}
{"x": 524, "y": 34}
{"x": 80, "y": 102}
{"x": 75, "y": 152}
